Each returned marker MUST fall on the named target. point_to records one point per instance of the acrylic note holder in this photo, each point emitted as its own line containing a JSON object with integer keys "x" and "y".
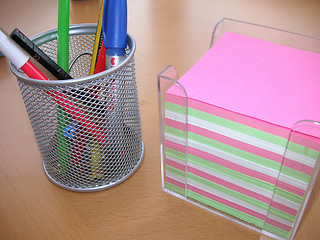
{"x": 240, "y": 132}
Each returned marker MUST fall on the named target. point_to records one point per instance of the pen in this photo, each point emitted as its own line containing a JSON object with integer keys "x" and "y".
{"x": 114, "y": 28}
{"x": 101, "y": 60}
{"x": 18, "y": 58}
{"x": 63, "y": 34}
{"x": 34, "y": 51}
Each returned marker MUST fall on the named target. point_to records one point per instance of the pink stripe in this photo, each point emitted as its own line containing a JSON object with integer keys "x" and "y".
{"x": 297, "y": 166}
{"x": 232, "y": 166}
{"x": 308, "y": 141}
{"x": 227, "y": 203}
{"x": 175, "y": 146}
{"x": 235, "y": 143}
{"x": 232, "y": 186}
{"x": 278, "y": 224}
{"x": 229, "y": 185}
{"x": 175, "y": 124}
{"x": 176, "y": 165}
{"x": 227, "y": 114}
{"x": 175, "y": 182}
{"x": 251, "y": 149}
{"x": 290, "y": 188}
{"x": 284, "y": 208}
{"x": 241, "y": 145}
{"x": 176, "y": 99}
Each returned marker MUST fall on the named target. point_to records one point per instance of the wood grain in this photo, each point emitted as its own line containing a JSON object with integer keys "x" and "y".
{"x": 166, "y": 32}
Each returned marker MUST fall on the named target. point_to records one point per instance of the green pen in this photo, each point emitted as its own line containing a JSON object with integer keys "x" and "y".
{"x": 63, "y": 34}
{"x": 63, "y": 62}
{"x": 63, "y": 142}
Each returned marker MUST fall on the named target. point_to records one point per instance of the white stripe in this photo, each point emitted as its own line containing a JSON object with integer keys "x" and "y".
{"x": 226, "y": 132}
{"x": 300, "y": 158}
{"x": 235, "y": 159}
{"x": 293, "y": 181}
{"x": 176, "y": 177}
{"x": 226, "y": 156}
{"x": 239, "y": 136}
{"x": 248, "y": 186}
{"x": 286, "y": 202}
{"x": 227, "y": 197}
{"x": 224, "y": 177}
{"x": 279, "y": 219}
{"x": 242, "y": 162}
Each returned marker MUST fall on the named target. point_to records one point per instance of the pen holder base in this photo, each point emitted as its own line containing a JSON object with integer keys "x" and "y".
{"x": 87, "y": 128}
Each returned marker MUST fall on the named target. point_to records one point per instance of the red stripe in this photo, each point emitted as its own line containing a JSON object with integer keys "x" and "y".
{"x": 227, "y": 203}
{"x": 175, "y": 182}
{"x": 278, "y": 224}
{"x": 231, "y": 165}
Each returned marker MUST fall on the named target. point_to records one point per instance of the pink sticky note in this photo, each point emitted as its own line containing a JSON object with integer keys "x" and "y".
{"x": 259, "y": 79}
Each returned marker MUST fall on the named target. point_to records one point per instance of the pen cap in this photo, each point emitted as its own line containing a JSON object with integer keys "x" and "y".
{"x": 12, "y": 51}
{"x": 115, "y": 22}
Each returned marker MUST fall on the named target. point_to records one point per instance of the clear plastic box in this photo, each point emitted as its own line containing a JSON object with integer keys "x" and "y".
{"x": 177, "y": 162}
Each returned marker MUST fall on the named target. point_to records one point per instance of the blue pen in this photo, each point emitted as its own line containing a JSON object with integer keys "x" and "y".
{"x": 114, "y": 27}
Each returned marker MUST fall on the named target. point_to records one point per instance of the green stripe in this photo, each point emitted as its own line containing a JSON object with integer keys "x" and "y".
{"x": 175, "y": 132}
{"x": 240, "y": 153}
{"x": 176, "y": 108}
{"x": 268, "y": 137}
{"x": 175, "y": 188}
{"x": 210, "y": 202}
{"x": 282, "y": 214}
{"x": 224, "y": 208}
{"x": 305, "y": 151}
{"x": 234, "y": 212}
{"x": 175, "y": 153}
{"x": 235, "y": 151}
{"x": 228, "y": 124}
{"x": 288, "y": 195}
{"x": 238, "y": 127}
{"x": 229, "y": 191}
{"x": 295, "y": 174}
{"x": 218, "y": 187}
{"x": 277, "y": 231}
{"x": 225, "y": 147}
{"x": 176, "y": 171}
{"x": 250, "y": 200}
{"x": 231, "y": 173}
{"x": 236, "y": 175}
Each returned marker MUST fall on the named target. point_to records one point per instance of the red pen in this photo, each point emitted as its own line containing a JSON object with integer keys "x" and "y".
{"x": 19, "y": 58}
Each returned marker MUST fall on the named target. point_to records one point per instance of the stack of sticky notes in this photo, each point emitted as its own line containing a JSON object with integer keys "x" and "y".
{"x": 243, "y": 97}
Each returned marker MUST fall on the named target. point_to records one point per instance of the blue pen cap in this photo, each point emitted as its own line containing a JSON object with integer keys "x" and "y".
{"x": 115, "y": 24}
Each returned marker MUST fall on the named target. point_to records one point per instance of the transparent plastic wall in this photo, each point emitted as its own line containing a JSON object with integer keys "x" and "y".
{"x": 283, "y": 207}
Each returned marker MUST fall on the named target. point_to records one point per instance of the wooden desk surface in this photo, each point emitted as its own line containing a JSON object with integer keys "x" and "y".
{"x": 166, "y": 32}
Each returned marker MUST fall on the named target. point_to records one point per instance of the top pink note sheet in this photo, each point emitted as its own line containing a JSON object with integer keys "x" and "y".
{"x": 257, "y": 78}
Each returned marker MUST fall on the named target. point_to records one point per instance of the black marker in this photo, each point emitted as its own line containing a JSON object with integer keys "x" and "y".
{"x": 38, "y": 55}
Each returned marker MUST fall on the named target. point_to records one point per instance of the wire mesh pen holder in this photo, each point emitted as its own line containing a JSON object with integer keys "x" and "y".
{"x": 88, "y": 128}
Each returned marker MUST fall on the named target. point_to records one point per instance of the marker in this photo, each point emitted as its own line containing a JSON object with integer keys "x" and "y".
{"x": 18, "y": 58}
{"x": 63, "y": 34}
{"x": 114, "y": 28}
{"x": 34, "y": 51}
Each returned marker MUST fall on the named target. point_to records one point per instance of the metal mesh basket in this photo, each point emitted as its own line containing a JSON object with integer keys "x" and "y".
{"x": 88, "y": 128}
